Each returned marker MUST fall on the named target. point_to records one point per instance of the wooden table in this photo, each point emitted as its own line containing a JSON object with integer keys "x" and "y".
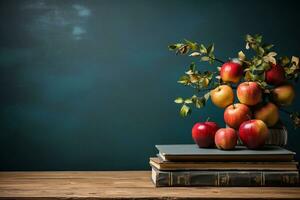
{"x": 119, "y": 185}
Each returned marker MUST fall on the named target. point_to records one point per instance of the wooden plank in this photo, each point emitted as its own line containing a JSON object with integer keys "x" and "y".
{"x": 119, "y": 185}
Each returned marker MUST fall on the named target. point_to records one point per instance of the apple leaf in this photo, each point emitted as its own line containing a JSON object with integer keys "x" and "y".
{"x": 206, "y": 96}
{"x": 188, "y": 101}
{"x": 195, "y": 54}
{"x": 211, "y": 59}
{"x": 295, "y": 60}
{"x": 258, "y": 38}
{"x": 272, "y": 54}
{"x": 210, "y": 49}
{"x": 267, "y": 46}
{"x": 284, "y": 61}
{"x": 185, "y": 80}
{"x": 292, "y": 69}
{"x": 190, "y": 72}
{"x": 263, "y": 85}
{"x": 260, "y": 51}
{"x": 175, "y": 46}
{"x": 205, "y": 58}
{"x": 203, "y": 48}
{"x": 241, "y": 55}
{"x": 184, "y": 49}
{"x": 247, "y": 45}
{"x": 178, "y": 100}
{"x": 193, "y": 45}
{"x": 192, "y": 67}
{"x": 185, "y": 110}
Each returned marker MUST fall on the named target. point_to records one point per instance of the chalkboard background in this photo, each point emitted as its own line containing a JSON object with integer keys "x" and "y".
{"x": 89, "y": 85}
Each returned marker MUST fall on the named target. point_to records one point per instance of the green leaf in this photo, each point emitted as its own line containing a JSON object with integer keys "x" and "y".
{"x": 193, "y": 67}
{"x": 206, "y": 96}
{"x": 268, "y": 46}
{"x": 194, "y": 78}
{"x": 257, "y": 61}
{"x": 185, "y": 110}
{"x": 210, "y": 49}
{"x": 200, "y": 102}
{"x": 247, "y": 45}
{"x": 188, "y": 101}
{"x": 295, "y": 60}
{"x": 174, "y": 46}
{"x": 284, "y": 61}
{"x": 241, "y": 55}
{"x": 257, "y": 77}
{"x": 211, "y": 59}
{"x": 184, "y": 80}
{"x": 189, "y": 72}
{"x": 258, "y": 38}
{"x": 203, "y": 82}
{"x": 205, "y": 58}
{"x": 184, "y": 49}
{"x": 208, "y": 75}
{"x": 178, "y": 100}
{"x": 195, "y": 54}
{"x": 249, "y": 38}
{"x": 260, "y": 51}
{"x": 265, "y": 66}
{"x": 192, "y": 45}
{"x": 263, "y": 84}
{"x": 202, "y": 48}
{"x": 257, "y": 70}
{"x": 292, "y": 69}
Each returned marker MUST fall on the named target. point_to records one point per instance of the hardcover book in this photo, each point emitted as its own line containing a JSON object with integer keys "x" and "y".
{"x": 267, "y": 166}
{"x": 225, "y": 178}
{"x": 191, "y": 152}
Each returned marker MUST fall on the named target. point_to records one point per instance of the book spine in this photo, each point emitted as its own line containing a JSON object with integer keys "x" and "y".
{"x": 225, "y": 178}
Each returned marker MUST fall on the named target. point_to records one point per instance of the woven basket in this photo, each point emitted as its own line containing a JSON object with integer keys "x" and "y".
{"x": 278, "y": 136}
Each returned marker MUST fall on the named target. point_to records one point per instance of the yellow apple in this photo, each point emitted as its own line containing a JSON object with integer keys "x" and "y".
{"x": 283, "y": 95}
{"x": 268, "y": 113}
{"x": 222, "y": 96}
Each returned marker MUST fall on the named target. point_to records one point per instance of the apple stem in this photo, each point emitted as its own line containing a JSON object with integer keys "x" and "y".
{"x": 208, "y": 118}
{"x": 218, "y": 60}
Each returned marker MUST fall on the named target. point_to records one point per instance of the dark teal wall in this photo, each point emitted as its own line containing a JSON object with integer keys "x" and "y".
{"x": 89, "y": 85}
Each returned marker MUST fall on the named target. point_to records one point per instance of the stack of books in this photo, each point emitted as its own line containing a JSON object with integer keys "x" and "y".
{"x": 189, "y": 165}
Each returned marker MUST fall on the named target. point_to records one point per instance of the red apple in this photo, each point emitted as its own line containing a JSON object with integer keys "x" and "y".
{"x": 253, "y": 133}
{"x": 203, "y": 133}
{"x": 275, "y": 75}
{"x": 249, "y": 93}
{"x": 267, "y": 113}
{"x": 283, "y": 95}
{"x": 226, "y": 138}
{"x": 231, "y": 72}
{"x": 213, "y": 125}
{"x": 222, "y": 96}
{"x": 236, "y": 114}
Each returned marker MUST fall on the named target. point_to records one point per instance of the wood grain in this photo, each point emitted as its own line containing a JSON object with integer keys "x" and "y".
{"x": 119, "y": 185}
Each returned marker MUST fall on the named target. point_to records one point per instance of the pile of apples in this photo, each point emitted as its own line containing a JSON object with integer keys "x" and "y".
{"x": 250, "y": 118}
